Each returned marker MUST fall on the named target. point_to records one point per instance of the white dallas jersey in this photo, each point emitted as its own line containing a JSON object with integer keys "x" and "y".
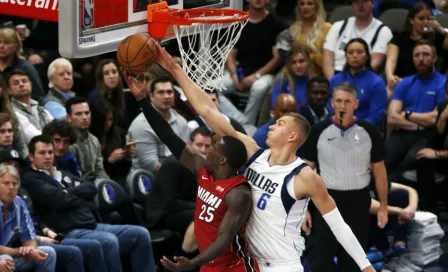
{"x": 273, "y": 229}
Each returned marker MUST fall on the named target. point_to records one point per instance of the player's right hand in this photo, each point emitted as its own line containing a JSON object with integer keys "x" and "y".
{"x": 164, "y": 59}
{"x": 138, "y": 88}
{"x": 307, "y": 223}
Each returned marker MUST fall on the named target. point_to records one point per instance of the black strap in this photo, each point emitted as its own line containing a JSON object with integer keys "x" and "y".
{"x": 342, "y": 27}
{"x": 375, "y": 37}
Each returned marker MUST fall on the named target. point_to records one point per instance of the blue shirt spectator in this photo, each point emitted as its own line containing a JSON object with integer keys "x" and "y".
{"x": 18, "y": 224}
{"x": 421, "y": 94}
{"x": 372, "y": 93}
{"x": 281, "y": 86}
{"x": 57, "y": 109}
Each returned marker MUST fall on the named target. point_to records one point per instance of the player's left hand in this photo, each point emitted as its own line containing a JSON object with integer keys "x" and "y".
{"x": 382, "y": 217}
{"x": 179, "y": 264}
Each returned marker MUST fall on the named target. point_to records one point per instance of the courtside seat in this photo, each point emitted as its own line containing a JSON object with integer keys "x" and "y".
{"x": 395, "y": 19}
{"x": 341, "y": 13}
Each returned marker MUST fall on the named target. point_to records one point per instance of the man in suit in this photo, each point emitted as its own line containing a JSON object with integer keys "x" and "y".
{"x": 317, "y": 94}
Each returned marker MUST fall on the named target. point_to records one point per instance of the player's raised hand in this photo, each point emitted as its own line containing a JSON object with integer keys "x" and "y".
{"x": 137, "y": 87}
{"x": 164, "y": 59}
{"x": 179, "y": 264}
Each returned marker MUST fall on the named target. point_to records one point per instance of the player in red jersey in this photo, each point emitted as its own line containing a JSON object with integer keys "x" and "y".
{"x": 224, "y": 200}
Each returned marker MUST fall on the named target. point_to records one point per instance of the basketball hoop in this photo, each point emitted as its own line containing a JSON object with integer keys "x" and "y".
{"x": 218, "y": 29}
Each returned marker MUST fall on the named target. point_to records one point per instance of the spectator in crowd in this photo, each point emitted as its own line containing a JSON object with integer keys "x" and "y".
{"x": 284, "y": 104}
{"x": 362, "y": 25}
{"x": 150, "y": 150}
{"x": 171, "y": 204}
{"x": 432, "y": 159}
{"x": 10, "y": 60}
{"x": 18, "y": 227}
{"x": 402, "y": 204}
{"x": 32, "y": 117}
{"x": 87, "y": 149}
{"x": 317, "y": 93}
{"x": 117, "y": 153}
{"x": 347, "y": 176}
{"x": 372, "y": 93}
{"x": 293, "y": 78}
{"x": 68, "y": 209}
{"x": 63, "y": 135}
{"x": 60, "y": 76}
{"x": 257, "y": 59}
{"x": 198, "y": 121}
{"x": 109, "y": 85}
{"x": 10, "y": 137}
{"x": 71, "y": 252}
{"x": 309, "y": 31}
{"x": 413, "y": 111}
{"x": 420, "y": 24}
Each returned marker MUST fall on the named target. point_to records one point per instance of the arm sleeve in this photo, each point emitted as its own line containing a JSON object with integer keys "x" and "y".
{"x": 377, "y": 153}
{"x": 26, "y": 224}
{"x": 29, "y": 130}
{"x": 399, "y": 90}
{"x": 384, "y": 38}
{"x": 99, "y": 166}
{"x": 332, "y": 37}
{"x": 346, "y": 238}
{"x": 378, "y": 102}
{"x": 162, "y": 129}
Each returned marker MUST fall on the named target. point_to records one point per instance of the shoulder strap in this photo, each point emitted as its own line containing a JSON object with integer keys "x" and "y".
{"x": 343, "y": 27}
{"x": 375, "y": 37}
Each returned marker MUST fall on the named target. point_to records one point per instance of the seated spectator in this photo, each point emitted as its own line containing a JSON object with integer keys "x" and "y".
{"x": 293, "y": 78}
{"x": 150, "y": 150}
{"x": 70, "y": 254}
{"x": 284, "y": 104}
{"x": 413, "y": 111}
{"x": 171, "y": 204}
{"x": 110, "y": 86}
{"x": 362, "y": 25}
{"x": 399, "y": 51}
{"x": 10, "y": 137}
{"x": 308, "y": 32}
{"x": 60, "y": 76}
{"x": 116, "y": 152}
{"x": 198, "y": 121}
{"x": 87, "y": 149}
{"x": 317, "y": 93}
{"x": 63, "y": 135}
{"x": 67, "y": 208}
{"x": 402, "y": 204}
{"x": 32, "y": 117}
{"x": 10, "y": 60}
{"x": 433, "y": 159}
{"x": 372, "y": 93}
{"x": 257, "y": 59}
{"x": 17, "y": 227}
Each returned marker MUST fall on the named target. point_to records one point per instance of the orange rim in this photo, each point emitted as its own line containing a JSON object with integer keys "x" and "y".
{"x": 199, "y": 15}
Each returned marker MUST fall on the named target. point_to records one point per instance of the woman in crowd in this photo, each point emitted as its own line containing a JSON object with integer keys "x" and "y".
{"x": 420, "y": 24}
{"x": 309, "y": 31}
{"x": 10, "y": 59}
{"x": 116, "y": 152}
{"x": 109, "y": 85}
{"x": 293, "y": 77}
{"x": 372, "y": 93}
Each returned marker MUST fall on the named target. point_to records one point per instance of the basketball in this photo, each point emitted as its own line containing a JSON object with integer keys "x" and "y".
{"x": 136, "y": 53}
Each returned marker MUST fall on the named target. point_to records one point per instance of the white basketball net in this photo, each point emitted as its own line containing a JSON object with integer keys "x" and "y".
{"x": 205, "y": 57}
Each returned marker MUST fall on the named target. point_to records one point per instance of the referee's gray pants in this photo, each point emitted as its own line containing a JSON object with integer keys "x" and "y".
{"x": 322, "y": 246}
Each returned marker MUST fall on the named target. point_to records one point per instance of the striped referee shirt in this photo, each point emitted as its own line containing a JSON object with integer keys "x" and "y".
{"x": 343, "y": 155}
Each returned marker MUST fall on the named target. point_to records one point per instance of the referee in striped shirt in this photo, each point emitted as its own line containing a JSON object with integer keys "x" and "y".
{"x": 346, "y": 150}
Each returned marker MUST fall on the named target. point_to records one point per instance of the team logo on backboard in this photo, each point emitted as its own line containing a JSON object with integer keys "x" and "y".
{"x": 88, "y": 13}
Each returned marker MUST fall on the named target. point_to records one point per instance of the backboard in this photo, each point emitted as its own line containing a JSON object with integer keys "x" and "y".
{"x": 92, "y": 27}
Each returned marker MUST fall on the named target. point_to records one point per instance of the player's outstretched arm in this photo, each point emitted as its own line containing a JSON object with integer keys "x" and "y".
{"x": 163, "y": 130}
{"x": 310, "y": 184}
{"x": 202, "y": 103}
{"x": 239, "y": 203}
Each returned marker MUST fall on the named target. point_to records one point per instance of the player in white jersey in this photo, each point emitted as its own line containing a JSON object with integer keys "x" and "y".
{"x": 281, "y": 183}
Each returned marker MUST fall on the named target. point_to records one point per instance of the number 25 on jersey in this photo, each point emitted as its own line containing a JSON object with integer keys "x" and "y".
{"x": 206, "y": 214}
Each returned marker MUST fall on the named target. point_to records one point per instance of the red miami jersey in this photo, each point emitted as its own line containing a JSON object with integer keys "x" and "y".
{"x": 209, "y": 213}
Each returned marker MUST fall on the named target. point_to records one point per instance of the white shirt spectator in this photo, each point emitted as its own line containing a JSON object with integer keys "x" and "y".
{"x": 336, "y": 43}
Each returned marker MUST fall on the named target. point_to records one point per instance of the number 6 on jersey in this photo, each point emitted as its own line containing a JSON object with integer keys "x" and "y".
{"x": 261, "y": 204}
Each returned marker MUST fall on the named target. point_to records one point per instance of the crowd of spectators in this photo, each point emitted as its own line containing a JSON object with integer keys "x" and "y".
{"x": 65, "y": 124}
